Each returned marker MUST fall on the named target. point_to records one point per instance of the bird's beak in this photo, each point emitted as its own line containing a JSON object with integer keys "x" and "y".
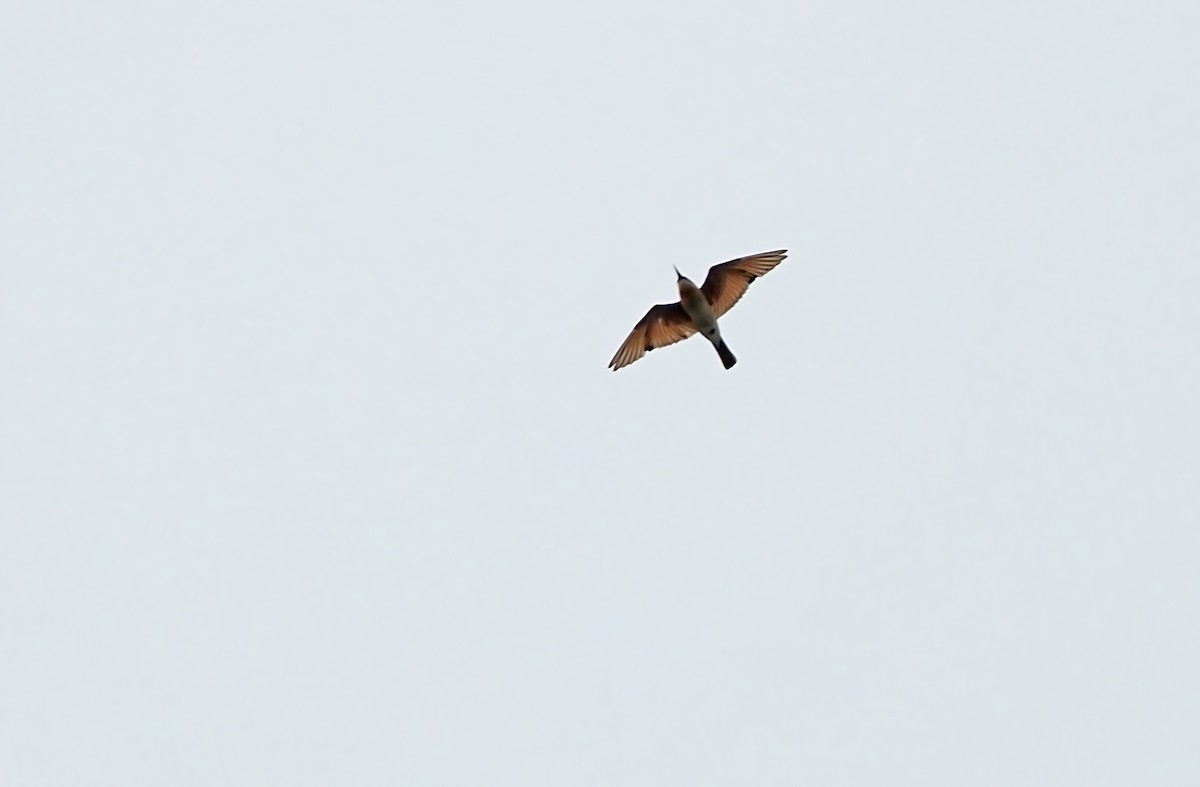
{"x": 677, "y": 273}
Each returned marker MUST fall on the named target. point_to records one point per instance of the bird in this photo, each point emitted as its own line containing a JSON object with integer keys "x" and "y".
{"x": 698, "y": 309}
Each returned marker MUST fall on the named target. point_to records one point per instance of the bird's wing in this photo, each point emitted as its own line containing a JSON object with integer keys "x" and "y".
{"x": 726, "y": 283}
{"x": 664, "y": 324}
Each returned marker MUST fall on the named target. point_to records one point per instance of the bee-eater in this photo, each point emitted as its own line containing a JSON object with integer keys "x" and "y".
{"x": 698, "y": 309}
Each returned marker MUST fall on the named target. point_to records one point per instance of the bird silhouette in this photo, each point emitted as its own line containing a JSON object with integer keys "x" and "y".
{"x": 698, "y": 309}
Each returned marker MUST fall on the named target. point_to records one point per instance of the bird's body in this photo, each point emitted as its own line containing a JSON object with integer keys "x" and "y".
{"x": 698, "y": 309}
{"x": 692, "y": 299}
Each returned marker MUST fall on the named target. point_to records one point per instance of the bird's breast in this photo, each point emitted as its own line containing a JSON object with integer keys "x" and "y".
{"x": 696, "y": 305}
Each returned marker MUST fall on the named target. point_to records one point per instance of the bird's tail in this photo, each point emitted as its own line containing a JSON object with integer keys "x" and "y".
{"x": 726, "y": 356}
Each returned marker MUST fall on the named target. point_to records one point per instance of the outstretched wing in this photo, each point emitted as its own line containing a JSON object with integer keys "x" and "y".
{"x": 664, "y": 324}
{"x": 727, "y": 282}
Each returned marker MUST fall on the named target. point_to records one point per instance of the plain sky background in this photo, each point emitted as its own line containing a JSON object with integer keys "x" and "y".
{"x": 313, "y": 472}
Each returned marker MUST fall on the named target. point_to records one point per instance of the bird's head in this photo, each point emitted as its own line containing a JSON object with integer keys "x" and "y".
{"x": 683, "y": 281}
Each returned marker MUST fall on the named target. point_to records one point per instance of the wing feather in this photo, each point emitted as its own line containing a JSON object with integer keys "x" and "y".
{"x": 663, "y": 325}
{"x": 727, "y": 283}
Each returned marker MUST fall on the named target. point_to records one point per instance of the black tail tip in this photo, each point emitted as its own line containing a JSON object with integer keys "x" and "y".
{"x": 726, "y": 356}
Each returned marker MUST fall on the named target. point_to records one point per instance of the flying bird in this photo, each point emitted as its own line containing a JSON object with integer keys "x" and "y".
{"x": 698, "y": 309}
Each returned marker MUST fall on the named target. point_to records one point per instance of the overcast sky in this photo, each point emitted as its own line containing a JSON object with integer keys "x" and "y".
{"x": 313, "y": 472}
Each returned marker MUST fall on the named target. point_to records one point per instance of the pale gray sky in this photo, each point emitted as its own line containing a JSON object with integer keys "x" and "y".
{"x": 313, "y": 471}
